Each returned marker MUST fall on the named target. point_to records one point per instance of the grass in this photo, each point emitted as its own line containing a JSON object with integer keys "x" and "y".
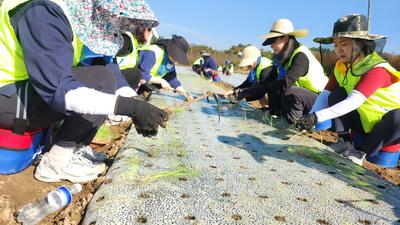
{"x": 177, "y": 172}
{"x": 104, "y": 135}
{"x": 178, "y": 110}
{"x": 350, "y": 170}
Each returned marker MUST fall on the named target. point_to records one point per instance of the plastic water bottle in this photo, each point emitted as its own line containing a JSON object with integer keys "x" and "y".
{"x": 57, "y": 199}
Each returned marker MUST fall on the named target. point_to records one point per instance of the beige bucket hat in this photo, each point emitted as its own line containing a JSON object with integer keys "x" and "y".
{"x": 250, "y": 55}
{"x": 351, "y": 26}
{"x": 282, "y": 27}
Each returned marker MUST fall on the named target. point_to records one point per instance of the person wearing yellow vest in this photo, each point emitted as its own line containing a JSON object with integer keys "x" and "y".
{"x": 157, "y": 64}
{"x": 128, "y": 55}
{"x": 197, "y": 65}
{"x": 41, "y": 44}
{"x": 363, "y": 94}
{"x": 297, "y": 78}
{"x": 228, "y": 68}
{"x": 259, "y": 66}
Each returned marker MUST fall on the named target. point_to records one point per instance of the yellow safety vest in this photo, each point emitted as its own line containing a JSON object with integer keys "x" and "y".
{"x": 382, "y": 100}
{"x": 199, "y": 61}
{"x": 159, "y": 54}
{"x": 12, "y": 62}
{"x": 315, "y": 79}
{"x": 264, "y": 63}
{"x": 130, "y": 60}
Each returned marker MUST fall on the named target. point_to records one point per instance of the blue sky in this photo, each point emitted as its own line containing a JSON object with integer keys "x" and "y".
{"x": 223, "y": 23}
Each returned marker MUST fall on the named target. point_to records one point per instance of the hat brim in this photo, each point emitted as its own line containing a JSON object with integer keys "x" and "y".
{"x": 88, "y": 25}
{"x": 176, "y": 53}
{"x": 329, "y": 40}
{"x": 297, "y": 33}
{"x": 247, "y": 61}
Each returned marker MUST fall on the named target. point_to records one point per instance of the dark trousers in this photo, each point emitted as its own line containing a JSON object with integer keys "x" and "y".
{"x": 76, "y": 129}
{"x": 196, "y": 69}
{"x": 292, "y": 104}
{"x": 385, "y": 132}
{"x": 133, "y": 76}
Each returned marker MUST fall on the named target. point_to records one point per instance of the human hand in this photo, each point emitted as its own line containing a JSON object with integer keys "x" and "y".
{"x": 227, "y": 93}
{"x": 189, "y": 98}
{"x": 166, "y": 86}
{"x": 306, "y": 122}
{"x": 146, "y": 117}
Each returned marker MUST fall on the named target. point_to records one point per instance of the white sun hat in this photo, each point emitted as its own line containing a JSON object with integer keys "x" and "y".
{"x": 282, "y": 27}
{"x": 250, "y": 55}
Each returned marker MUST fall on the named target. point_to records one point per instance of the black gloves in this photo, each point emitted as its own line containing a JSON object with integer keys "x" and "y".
{"x": 306, "y": 122}
{"x": 237, "y": 94}
{"x": 145, "y": 116}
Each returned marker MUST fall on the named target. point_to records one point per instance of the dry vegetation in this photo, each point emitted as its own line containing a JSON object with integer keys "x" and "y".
{"x": 329, "y": 59}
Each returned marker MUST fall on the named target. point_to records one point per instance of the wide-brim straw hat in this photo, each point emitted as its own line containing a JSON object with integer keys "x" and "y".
{"x": 204, "y": 53}
{"x": 282, "y": 27}
{"x": 250, "y": 55}
{"x": 351, "y": 26}
{"x": 176, "y": 47}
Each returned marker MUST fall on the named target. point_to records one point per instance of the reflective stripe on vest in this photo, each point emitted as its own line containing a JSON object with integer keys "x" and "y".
{"x": 382, "y": 100}
{"x": 12, "y": 63}
{"x": 130, "y": 60}
{"x": 230, "y": 68}
{"x": 159, "y": 54}
{"x": 264, "y": 63}
{"x": 315, "y": 79}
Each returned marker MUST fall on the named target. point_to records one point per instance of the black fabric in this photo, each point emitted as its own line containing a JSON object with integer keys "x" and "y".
{"x": 306, "y": 122}
{"x": 176, "y": 47}
{"x": 269, "y": 41}
{"x": 76, "y": 129}
{"x": 298, "y": 69}
{"x": 386, "y": 132}
{"x": 287, "y": 50}
{"x": 127, "y": 47}
{"x": 263, "y": 78}
{"x": 292, "y": 104}
{"x": 346, "y": 122}
{"x": 133, "y": 76}
{"x": 145, "y": 116}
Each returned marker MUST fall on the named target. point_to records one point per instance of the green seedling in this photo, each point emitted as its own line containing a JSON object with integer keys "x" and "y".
{"x": 350, "y": 170}
{"x": 178, "y": 110}
{"x": 315, "y": 155}
{"x": 133, "y": 163}
{"x": 173, "y": 173}
{"x": 267, "y": 118}
{"x": 103, "y": 135}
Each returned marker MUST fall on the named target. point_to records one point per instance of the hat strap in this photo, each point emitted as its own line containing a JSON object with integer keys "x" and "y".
{"x": 275, "y": 31}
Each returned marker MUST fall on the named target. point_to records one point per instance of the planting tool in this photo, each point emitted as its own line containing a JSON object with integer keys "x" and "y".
{"x": 206, "y": 95}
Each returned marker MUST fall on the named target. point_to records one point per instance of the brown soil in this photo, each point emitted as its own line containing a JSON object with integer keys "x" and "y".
{"x": 20, "y": 189}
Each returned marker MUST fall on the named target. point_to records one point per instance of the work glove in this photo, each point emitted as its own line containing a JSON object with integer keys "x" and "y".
{"x": 306, "y": 122}
{"x": 145, "y": 116}
{"x": 236, "y": 94}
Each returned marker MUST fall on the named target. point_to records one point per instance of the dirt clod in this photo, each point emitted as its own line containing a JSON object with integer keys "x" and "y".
{"x": 190, "y": 217}
{"x": 236, "y": 217}
{"x": 280, "y": 218}
{"x": 141, "y": 220}
{"x": 323, "y": 222}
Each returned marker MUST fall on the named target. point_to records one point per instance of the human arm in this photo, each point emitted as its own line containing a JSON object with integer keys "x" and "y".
{"x": 45, "y": 37}
{"x": 370, "y": 82}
